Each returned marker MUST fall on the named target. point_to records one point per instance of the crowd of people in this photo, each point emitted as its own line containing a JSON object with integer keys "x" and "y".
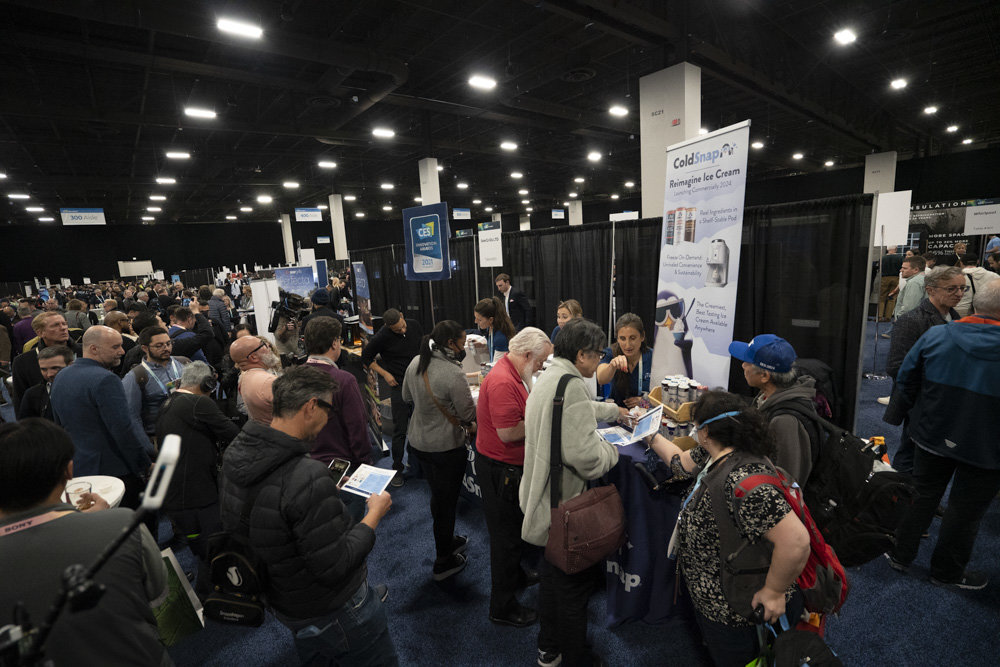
{"x": 262, "y": 423}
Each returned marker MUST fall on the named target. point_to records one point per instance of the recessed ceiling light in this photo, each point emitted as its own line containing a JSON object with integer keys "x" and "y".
{"x": 828, "y": 163}
{"x": 898, "y": 84}
{"x": 529, "y": 209}
{"x": 930, "y": 110}
{"x": 291, "y": 185}
{"x": 349, "y": 197}
{"x": 629, "y": 184}
{"x": 33, "y": 209}
{"x": 387, "y": 186}
{"x": 246, "y": 209}
{"x": 508, "y": 146}
{"x": 153, "y": 209}
{"x": 230, "y": 217}
{"x": 797, "y": 156}
{"x": 163, "y": 180}
{"x": 327, "y": 164}
{"x": 525, "y": 201}
{"x": 178, "y": 155}
{"x": 264, "y": 199}
{"x": 482, "y": 82}
{"x": 757, "y": 144}
{"x": 46, "y": 219}
{"x": 593, "y": 156}
{"x": 322, "y": 207}
{"x": 522, "y": 191}
{"x": 386, "y": 208}
{"x": 383, "y": 133}
{"x": 2, "y": 175}
{"x": 462, "y": 186}
{"x": 966, "y": 141}
{"x": 359, "y": 214}
{"x": 578, "y": 179}
{"x": 18, "y": 195}
{"x": 488, "y": 209}
{"x": 845, "y": 36}
{"x": 239, "y": 28}
{"x": 565, "y": 203}
{"x": 419, "y": 200}
{"x": 702, "y": 130}
{"x": 614, "y": 196}
{"x": 477, "y": 201}
{"x": 197, "y": 112}
{"x": 951, "y": 128}
{"x": 572, "y": 194}
{"x": 516, "y": 174}
{"x": 440, "y": 167}
{"x": 618, "y": 110}
{"x": 157, "y": 198}
{"x": 148, "y": 217}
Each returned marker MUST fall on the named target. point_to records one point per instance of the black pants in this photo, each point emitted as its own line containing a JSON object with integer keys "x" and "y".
{"x": 400, "y": 420}
{"x": 499, "y": 484}
{"x": 196, "y": 525}
{"x": 972, "y": 490}
{"x": 737, "y": 645}
{"x": 444, "y": 472}
{"x": 134, "y": 487}
{"x": 562, "y": 613}
{"x": 903, "y": 460}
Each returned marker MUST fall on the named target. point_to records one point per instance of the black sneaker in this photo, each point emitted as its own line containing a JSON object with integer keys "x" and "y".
{"x": 896, "y": 565}
{"x": 546, "y": 659}
{"x": 970, "y": 581}
{"x": 450, "y": 566}
{"x": 459, "y": 544}
{"x": 397, "y": 480}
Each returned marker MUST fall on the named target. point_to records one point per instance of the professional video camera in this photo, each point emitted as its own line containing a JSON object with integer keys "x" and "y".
{"x": 290, "y": 306}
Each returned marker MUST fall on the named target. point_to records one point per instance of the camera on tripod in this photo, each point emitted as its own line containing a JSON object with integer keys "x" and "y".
{"x": 290, "y": 307}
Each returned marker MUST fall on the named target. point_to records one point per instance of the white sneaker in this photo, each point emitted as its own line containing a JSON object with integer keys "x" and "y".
{"x": 884, "y": 400}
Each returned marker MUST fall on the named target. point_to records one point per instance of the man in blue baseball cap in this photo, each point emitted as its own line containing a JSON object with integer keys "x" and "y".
{"x": 785, "y": 399}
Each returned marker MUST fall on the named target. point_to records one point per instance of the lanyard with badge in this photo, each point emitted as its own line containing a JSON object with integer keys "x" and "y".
{"x": 172, "y": 383}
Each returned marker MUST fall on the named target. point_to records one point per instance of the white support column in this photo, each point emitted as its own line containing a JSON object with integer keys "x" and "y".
{"x": 337, "y": 227}
{"x": 576, "y": 212}
{"x": 525, "y": 222}
{"x": 430, "y": 190}
{"x": 669, "y": 112}
{"x": 286, "y": 238}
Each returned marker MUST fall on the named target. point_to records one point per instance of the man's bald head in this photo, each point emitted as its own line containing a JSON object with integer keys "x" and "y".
{"x": 250, "y": 352}
{"x": 103, "y": 345}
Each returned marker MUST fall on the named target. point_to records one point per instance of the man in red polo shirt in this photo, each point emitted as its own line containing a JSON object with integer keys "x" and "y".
{"x": 499, "y": 464}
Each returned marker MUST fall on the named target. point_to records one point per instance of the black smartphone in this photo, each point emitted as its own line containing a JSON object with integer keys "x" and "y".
{"x": 338, "y": 468}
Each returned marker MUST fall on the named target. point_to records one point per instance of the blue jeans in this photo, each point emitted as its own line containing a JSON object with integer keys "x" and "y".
{"x": 355, "y": 634}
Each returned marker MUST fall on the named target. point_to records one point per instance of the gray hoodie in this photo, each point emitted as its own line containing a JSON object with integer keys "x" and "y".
{"x": 791, "y": 438}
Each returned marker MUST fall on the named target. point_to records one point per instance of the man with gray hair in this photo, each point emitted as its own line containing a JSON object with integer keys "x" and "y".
{"x": 949, "y": 386}
{"x": 499, "y": 465}
{"x": 217, "y": 311}
{"x": 785, "y": 399}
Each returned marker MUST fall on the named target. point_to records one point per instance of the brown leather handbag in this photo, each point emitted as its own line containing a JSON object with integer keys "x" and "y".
{"x": 588, "y": 528}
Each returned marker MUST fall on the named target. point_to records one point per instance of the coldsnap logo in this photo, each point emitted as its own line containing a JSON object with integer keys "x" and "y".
{"x": 695, "y": 157}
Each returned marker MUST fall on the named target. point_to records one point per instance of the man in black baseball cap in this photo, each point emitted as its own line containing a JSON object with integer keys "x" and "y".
{"x": 783, "y": 397}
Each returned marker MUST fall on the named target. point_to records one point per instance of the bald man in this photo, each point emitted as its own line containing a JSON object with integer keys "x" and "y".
{"x": 254, "y": 358}
{"x": 89, "y": 402}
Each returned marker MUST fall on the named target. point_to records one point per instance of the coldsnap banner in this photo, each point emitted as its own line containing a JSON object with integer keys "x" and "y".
{"x": 700, "y": 256}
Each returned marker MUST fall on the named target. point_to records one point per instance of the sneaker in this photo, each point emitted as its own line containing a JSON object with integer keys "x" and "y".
{"x": 459, "y": 544}
{"x": 970, "y": 581}
{"x": 453, "y": 565}
{"x": 885, "y": 335}
{"x": 546, "y": 659}
{"x": 382, "y": 591}
{"x": 397, "y": 480}
{"x": 896, "y": 565}
{"x": 884, "y": 400}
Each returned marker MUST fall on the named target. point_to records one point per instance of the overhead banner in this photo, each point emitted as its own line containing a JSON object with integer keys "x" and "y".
{"x": 558, "y": 214}
{"x": 490, "y": 248}
{"x": 492, "y": 224}
{"x": 461, "y": 233}
{"x": 321, "y": 240}
{"x": 700, "y": 255}
{"x": 82, "y": 216}
{"x": 425, "y": 230}
{"x": 308, "y": 215}
{"x": 462, "y": 213}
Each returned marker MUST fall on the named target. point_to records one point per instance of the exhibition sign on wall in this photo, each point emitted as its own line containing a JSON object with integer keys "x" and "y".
{"x": 425, "y": 231}
{"x": 308, "y": 215}
{"x": 700, "y": 255}
{"x": 82, "y": 216}
{"x": 490, "y": 247}
{"x": 294, "y": 280}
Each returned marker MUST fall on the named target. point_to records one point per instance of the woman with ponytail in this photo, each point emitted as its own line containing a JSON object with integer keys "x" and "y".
{"x": 443, "y": 416}
{"x": 494, "y": 324}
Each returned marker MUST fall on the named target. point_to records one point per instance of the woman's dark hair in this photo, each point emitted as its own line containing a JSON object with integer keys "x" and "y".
{"x": 34, "y": 453}
{"x": 578, "y": 335}
{"x": 493, "y": 308}
{"x": 443, "y": 332}
{"x": 746, "y": 432}
{"x": 621, "y": 379}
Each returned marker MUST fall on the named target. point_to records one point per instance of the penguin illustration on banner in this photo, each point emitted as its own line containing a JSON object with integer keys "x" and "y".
{"x": 672, "y": 316}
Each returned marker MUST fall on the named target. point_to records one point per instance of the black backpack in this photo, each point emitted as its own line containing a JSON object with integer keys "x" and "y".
{"x": 827, "y": 399}
{"x": 856, "y": 505}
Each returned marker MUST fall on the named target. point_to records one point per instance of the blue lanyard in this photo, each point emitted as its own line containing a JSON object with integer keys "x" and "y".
{"x": 173, "y": 364}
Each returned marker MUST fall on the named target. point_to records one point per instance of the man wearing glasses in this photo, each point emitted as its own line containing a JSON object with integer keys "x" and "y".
{"x": 152, "y": 380}
{"x": 945, "y": 287}
{"x": 255, "y": 360}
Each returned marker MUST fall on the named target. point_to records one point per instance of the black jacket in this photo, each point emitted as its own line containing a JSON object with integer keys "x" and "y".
{"x": 35, "y": 403}
{"x": 519, "y": 309}
{"x": 315, "y": 553}
{"x": 908, "y": 328}
{"x": 26, "y": 372}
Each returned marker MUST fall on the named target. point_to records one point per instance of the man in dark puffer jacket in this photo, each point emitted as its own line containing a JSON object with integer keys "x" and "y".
{"x": 317, "y": 579}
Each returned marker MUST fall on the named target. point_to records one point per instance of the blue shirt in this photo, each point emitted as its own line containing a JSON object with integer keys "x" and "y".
{"x": 144, "y": 401}
{"x": 993, "y": 243}
{"x": 635, "y": 388}
{"x": 496, "y": 341}
{"x": 555, "y": 332}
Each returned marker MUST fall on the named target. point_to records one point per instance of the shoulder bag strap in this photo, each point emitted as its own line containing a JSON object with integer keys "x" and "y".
{"x": 447, "y": 415}
{"x": 555, "y": 456}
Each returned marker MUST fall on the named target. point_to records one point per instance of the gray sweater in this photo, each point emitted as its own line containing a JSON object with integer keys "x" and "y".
{"x": 429, "y": 430}
{"x": 585, "y": 454}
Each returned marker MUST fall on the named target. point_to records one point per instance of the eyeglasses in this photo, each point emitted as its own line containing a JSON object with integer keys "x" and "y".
{"x": 160, "y": 346}
{"x": 954, "y": 289}
{"x": 323, "y": 404}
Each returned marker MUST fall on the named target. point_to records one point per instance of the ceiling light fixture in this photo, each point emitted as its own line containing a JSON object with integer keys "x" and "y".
{"x": 46, "y": 219}
{"x": 462, "y": 186}
{"x": 618, "y": 110}
{"x": 264, "y": 199}
{"x": 246, "y": 209}
{"x": 593, "y": 156}
{"x": 614, "y": 196}
{"x": 419, "y": 200}
{"x": 327, "y": 164}
{"x": 482, "y": 82}
{"x": 148, "y": 217}
{"x": 516, "y": 174}
{"x": 349, "y": 197}
{"x": 383, "y": 133}
{"x": 322, "y": 207}
{"x": 440, "y": 167}
{"x": 34, "y": 209}
{"x": 163, "y": 180}
{"x": 967, "y": 141}
{"x": 477, "y": 201}
{"x": 757, "y": 144}
{"x": 230, "y": 217}
{"x": 951, "y": 128}
{"x": 488, "y": 209}
{"x": 291, "y": 185}
{"x": 797, "y": 156}
{"x": 522, "y": 191}
{"x": 930, "y": 110}
{"x": 239, "y": 28}
{"x": 898, "y": 84}
{"x": 18, "y": 195}
{"x": 529, "y": 209}
{"x": 386, "y": 208}
{"x": 508, "y": 145}
{"x": 565, "y": 203}
{"x": 578, "y": 179}
{"x": 2, "y": 175}
{"x": 387, "y": 186}
{"x": 153, "y": 209}
{"x": 828, "y": 163}
{"x": 359, "y": 214}
{"x": 629, "y": 184}
{"x": 525, "y": 201}
{"x": 198, "y": 112}
{"x": 572, "y": 194}
{"x": 845, "y": 36}
{"x": 178, "y": 155}
{"x": 157, "y": 198}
